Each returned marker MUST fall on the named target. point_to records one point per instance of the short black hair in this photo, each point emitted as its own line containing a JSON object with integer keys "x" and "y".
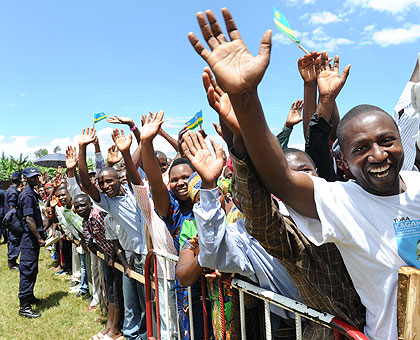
{"x": 353, "y": 113}
{"x": 62, "y": 187}
{"x": 294, "y": 150}
{"x": 82, "y": 195}
{"x": 110, "y": 169}
{"x": 160, "y": 154}
{"x": 179, "y": 161}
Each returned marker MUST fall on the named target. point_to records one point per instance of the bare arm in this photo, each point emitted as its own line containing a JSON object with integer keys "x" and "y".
{"x": 306, "y": 67}
{"x": 239, "y": 73}
{"x": 158, "y": 189}
{"x": 34, "y": 230}
{"x": 188, "y": 270}
{"x": 170, "y": 139}
{"x": 123, "y": 144}
{"x": 89, "y": 188}
{"x": 128, "y": 121}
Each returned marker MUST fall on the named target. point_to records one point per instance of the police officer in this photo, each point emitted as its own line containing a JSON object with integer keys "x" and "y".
{"x": 32, "y": 240}
{"x": 11, "y": 198}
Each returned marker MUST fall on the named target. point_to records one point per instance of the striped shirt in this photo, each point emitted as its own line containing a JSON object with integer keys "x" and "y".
{"x": 408, "y": 121}
{"x": 94, "y": 230}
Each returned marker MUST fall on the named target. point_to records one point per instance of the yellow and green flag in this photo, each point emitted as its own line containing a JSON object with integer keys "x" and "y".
{"x": 283, "y": 25}
{"x": 195, "y": 121}
{"x": 97, "y": 117}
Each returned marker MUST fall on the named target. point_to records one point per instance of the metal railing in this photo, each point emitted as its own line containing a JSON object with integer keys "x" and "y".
{"x": 299, "y": 309}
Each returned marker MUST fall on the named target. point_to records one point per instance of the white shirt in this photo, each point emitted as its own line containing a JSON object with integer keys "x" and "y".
{"x": 376, "y": 235}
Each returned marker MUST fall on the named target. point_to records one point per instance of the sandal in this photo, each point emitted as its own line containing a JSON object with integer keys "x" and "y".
{"x": 98, "y": 336}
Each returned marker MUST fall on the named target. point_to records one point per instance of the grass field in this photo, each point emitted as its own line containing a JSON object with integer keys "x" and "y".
{"x": 63, "y": 316}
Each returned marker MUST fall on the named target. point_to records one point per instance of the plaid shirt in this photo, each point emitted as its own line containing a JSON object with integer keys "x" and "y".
{"x": 94, "y": 230}
{"x": 318, "y": 271}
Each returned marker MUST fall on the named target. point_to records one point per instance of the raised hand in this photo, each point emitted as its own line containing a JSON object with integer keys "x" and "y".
{"x": 88, "y": 136}
{"x": 122, "y": 142}
{"x": 295, "y": 114}
{"x": 195, "y": 246}
{"x": 208, "y": 167}
{"x": 219, "y": 101}
{"x": 306, "y": 66}
{"x": 71, "y": 158}
{"x": 329, "y": 81}
{"x": 151, "y": 126}
{"x": 235, "y": 68}
{"x": 113, "y": 156}
{"x": 120, "y": 120}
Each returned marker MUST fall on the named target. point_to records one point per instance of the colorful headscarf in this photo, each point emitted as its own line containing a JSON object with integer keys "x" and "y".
{"x": 194, "y": 185}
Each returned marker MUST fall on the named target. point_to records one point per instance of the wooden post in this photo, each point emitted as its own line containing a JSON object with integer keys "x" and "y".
{"x": 408, "y": 303}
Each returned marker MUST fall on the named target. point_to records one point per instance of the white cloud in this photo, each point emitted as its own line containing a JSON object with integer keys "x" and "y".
{"x": 316, "y": 40}
{"x": 16, "y": 145}
{"x": 300, "y": 2}
{"x": 392, "y": 6}
{"x": 321, "y": 18}
{"x": 409, "y": 33}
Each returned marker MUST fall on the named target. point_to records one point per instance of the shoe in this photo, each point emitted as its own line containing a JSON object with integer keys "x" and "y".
{"x": 33, "y": 300}
{"x": 28, "y": 312}
{"x": 15, "y": 267}
{"x": 82, "y": 295}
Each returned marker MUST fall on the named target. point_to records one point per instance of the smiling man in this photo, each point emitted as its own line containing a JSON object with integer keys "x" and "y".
{"x": 374, "y": 220}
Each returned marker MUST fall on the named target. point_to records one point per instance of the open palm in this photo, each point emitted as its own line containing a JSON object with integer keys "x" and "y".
{"x": 195, "y": 148}
{"x": 329, "y": 81}
{"x": 235, "y": 68}
{"x": 151, "y": 126}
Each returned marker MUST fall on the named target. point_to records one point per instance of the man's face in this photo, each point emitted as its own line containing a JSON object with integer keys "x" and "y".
{"x": 33, "y": 181}
{"x": 163, "y": 163}
{"x": 109, "y": 183}
{"x": 82, "y": 206}
{"x": 373, "y": 153}
{"x": 63, "y": 197}
{"x": 92, "y": 178}
{"x": 122, "y": 177}
{"x": 298, "y": 161}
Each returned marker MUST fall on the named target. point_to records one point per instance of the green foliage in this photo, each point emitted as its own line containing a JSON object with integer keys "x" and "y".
{"x": 41, "y": 153}
{"x": 57, "y": 149}
{"x": 10, "y": 164}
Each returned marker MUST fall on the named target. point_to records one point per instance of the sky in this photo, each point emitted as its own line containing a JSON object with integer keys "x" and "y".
{"x": 61, "y": 61}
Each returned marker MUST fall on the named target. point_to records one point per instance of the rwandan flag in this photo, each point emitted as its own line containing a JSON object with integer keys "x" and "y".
{"x": 195, "y": 121}
{"x": 97, "y": 117}
{"x": 283, "y": 25}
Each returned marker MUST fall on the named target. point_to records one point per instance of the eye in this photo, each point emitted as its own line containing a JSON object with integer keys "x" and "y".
{"x": 388, "y": 141}
{"x": 360, "y": 148}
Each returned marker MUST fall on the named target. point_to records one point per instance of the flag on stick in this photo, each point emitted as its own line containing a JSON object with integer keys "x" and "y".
{"x": 195, "y": 121}
{"x": 97, "y": 117}
{"x": 283, "y": 25}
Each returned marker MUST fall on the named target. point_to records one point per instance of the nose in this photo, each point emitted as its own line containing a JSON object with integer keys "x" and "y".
{"x": 378, "y": 154}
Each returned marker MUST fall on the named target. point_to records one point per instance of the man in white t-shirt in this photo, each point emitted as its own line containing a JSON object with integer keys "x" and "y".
{"x": 374, "y": 219}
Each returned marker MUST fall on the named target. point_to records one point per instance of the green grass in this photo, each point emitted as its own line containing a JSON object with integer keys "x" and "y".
{"x": 63, "y": 316}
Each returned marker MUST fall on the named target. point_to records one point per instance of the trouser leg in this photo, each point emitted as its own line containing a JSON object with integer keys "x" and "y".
{"x": 28, "y": 268}
{"x": 13, "y": 248}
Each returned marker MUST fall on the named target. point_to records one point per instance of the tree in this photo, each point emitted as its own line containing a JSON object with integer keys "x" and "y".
{"x": 41, "y": 153}
{"x": 57, "y": 149}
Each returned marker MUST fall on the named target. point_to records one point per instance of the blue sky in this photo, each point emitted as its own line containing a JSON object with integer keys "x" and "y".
{"x": 62, "y": 61}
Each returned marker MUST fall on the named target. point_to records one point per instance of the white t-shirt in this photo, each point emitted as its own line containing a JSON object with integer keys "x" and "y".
{"x": 376, "y": 235}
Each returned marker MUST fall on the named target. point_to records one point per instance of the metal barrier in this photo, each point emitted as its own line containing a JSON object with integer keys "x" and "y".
{"x": 268, "y": 297}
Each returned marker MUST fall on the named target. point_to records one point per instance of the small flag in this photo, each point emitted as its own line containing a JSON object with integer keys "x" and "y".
{"x": 283, "y": 25}
{"x": 195, "y": 121}
{"x": 97, "y": 117}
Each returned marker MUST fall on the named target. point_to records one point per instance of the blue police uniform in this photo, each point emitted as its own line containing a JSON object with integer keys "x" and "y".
{"x": 13, "y": 243}
{"x": 2, "y": 213}
{"x": 29, "y": 247}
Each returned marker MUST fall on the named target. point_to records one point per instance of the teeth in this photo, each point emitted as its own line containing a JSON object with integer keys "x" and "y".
{"x": 381, "y": 169}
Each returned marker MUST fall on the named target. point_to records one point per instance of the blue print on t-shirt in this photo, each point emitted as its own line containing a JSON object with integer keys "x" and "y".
{"x": 408, "y": 240}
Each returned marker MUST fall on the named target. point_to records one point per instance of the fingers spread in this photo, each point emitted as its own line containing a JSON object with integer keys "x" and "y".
{"x": 198, "y": 46}
{"x": 230, "y": 25}
{"x": 206, "y": 31}
{"x": 215, "y": 27}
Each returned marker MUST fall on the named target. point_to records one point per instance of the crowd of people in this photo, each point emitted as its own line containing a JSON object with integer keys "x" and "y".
{"x": 329, "y": 226}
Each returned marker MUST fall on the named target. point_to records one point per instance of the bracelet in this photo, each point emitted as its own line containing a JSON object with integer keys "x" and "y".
{"x": 134, "y": 128}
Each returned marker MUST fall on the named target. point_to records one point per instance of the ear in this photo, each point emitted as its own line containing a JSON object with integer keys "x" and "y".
{"x": 342, "y": 161}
